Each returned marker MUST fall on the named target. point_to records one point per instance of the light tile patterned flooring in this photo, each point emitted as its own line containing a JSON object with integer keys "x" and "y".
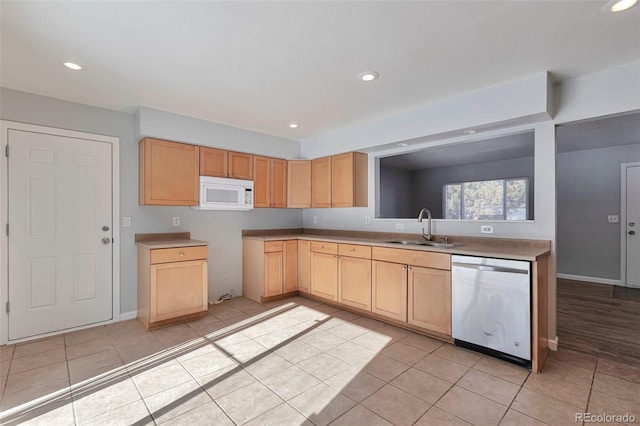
{"x": 295, "y": 362}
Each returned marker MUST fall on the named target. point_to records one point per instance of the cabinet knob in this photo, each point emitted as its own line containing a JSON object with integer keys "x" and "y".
{"x": 404, "y": 268}
{"x": 353, "y": 250}
{"x": 180, "y": 253}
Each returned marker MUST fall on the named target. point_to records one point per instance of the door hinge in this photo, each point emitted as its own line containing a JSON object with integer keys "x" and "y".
{"x": 6, "y": 151}
{"x": 8, "y": 307}
{"x": 7, "y": 229}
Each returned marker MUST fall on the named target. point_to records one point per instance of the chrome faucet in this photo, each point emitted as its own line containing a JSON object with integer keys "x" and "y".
{"x": 426, "y": 236}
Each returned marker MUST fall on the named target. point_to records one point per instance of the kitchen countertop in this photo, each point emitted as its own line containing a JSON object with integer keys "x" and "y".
{"x": 167, "y": 240}
{"x": 506, "y": 248}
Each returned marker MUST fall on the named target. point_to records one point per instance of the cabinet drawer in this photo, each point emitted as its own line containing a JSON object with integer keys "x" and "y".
{"x": 323, "y": 247}
{"x": 352, "y": 250}
{"x": 178, "y": 254}
{"x": 271, "y": 246}
{"x": 412, "y": 257}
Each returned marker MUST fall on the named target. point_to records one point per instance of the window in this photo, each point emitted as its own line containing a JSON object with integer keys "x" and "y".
{"x": 501, "y": 199}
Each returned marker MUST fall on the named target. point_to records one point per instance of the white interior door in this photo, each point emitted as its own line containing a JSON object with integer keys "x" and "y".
{"x": 60, "y": 232}
{"x": 633, "y": 226}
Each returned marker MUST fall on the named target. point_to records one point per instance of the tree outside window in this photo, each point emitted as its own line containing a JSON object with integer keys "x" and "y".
{"x": 500, "y": 199}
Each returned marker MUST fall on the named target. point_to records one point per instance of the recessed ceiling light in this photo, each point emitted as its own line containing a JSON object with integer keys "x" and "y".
{"x": 72, "y": 66}
{"x": 293, "y": 125}
{"x": 470, "y": 132}
{"x": 620, "y": 5}
{"x": 369, "y": 76}
{"x": 403, "y": 144}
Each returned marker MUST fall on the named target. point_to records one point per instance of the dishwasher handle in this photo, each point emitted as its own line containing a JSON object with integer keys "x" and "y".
{"x": 490, "y": 268}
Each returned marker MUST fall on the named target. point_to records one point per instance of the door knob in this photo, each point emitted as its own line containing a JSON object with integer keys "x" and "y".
{"x": 632, "y": 224}
{"x": 632, "y": 232}
{"x": 106, "y": 240}
{"x": 105, "y": 228}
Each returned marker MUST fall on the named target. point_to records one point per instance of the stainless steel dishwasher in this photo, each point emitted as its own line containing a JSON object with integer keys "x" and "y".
{"x": 491, "y": 306}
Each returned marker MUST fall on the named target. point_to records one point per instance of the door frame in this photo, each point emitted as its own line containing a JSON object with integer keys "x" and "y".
{"x": 623, "y": 220}
{"x": 5, "y": 126}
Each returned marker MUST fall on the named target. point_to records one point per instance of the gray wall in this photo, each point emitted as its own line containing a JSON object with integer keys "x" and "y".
{"x": 589, "y": 190}
{"x": 427, "y": 184}
{"x": 395, "y": 192}
{"x": 221, "y": 229}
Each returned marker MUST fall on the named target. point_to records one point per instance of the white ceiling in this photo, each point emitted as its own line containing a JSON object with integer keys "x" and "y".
{"x": 260, "y": 65}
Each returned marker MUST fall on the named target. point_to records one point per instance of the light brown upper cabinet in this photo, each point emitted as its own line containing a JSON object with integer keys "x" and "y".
{"x": 169, "y": 173}
{"x": 321, "y": 182}
{"x": 349, "y": 180}
{"x": 269, "y": 182}
{"x": 221, "y": 163}
{"x": 278, "y": 170}
{"x": 240, "y": 165}
{"x": 299, "y": 183}
{"x": 213, "y": 162}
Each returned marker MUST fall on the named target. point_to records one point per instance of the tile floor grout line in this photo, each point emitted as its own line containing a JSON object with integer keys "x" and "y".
{"x": 514, "y": 398}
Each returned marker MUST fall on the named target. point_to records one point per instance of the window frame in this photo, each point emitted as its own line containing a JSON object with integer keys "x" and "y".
{"x": 505, "y": 181}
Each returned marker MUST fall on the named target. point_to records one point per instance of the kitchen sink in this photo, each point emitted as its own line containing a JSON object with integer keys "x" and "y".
{"x": 425, "y": 243}
{"x": 408, "y": 242}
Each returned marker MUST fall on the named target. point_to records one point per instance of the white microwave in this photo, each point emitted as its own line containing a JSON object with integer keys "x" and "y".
{"x": 225, "y": 194}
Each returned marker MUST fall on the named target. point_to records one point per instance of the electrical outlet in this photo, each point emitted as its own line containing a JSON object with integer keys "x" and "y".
{"x": 613, "y": 218}
{"x": 486, "y": 229}
{"x": 126, "y": 221}
{"x": 367, "y": 220}
{"x": 176, "y": 221}
{"x": 400, "y": 226}
{"x": 315, "y": 219}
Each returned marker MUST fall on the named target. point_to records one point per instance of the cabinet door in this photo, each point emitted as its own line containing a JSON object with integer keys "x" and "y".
{"x": 430, "y": 299}
{"x": 299, "y": 183}
{"x": 169, "y": 173}
{"x": 304, "y": 265}
{"x": 278, "y": 182}
{"x": 389, "y": 290}
{"x": 177, "y": 289}
{"x": 240, "y": 165}
{"x": 342, "y": 193}
{"x": 261, "y": 182}
{"x": 324, "y": 275}
{"x": 272, "y": 273}
{"x": 213, "y": 162}
{"x": 290, "y": 266}
{"x": 354, "y": 282}
{"x": 321, "y": 182}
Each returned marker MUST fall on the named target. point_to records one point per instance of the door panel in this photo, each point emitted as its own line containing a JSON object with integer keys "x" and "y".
{"x": 354, "y": 282}
{"x": 389, "y": 290}
{"x": 178, "y": 289}
{"x": 633, "y": 226}
{"x": 60, "y": 272}
{"x": 273, "y": 273}
{"x": 324, "y": 275}
{"x": 430, "y": 299}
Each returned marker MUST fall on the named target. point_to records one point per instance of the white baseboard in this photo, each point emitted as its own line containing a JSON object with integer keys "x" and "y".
{"x": 128, "y": 315}
{"x": 590, "y": 279}
{"x": 553, "y": 344}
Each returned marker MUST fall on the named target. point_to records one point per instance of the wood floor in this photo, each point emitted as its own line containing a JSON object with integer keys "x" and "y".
{"x": 600, "y": 319}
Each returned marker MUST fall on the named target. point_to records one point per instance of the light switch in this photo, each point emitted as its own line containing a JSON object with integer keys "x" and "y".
{"x": 126, "y": 221}
{"x": 315, "y": 219}
{"x": 400, "y": 226}
{"x": 613, "y": 218}
{"x": 367, "y": 220}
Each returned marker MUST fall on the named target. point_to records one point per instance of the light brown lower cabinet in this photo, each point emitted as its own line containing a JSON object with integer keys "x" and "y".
{"x": 429, "y": 299}
{"x": 269, "y": 268}
{"x": 304, "y": 265}
{"x": 389, "y": 290}
{"x": 324, "y": 270}
{"x": 354, "y": 276}
{"x": 172, "y": 284}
